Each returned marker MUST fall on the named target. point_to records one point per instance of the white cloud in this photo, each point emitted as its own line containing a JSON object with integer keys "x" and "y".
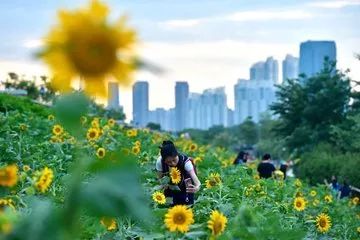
{"x": 334, "y": 4}
{"x": 265, "y": 15}
{"x": 241, "y": 16}
{"x": 32, "y": 43}
{"x": 181, "y": 23}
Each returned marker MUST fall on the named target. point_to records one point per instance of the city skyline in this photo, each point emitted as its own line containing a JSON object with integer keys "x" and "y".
{"x": 207, "y": 43}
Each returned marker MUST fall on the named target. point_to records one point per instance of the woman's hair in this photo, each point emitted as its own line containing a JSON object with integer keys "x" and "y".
{"x": 266, "y": 156}
{"x": 168, "y": 149}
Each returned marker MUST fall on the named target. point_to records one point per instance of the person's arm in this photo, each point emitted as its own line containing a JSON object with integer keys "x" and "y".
{"x": 192, "y": 188}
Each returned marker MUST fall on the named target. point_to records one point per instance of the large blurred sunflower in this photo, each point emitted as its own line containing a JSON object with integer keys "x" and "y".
{"x": 85, "y": 45}
{"x": 217, "y": 223}
{"x": 8, "y": 176}
{"x": 179, "y": 218}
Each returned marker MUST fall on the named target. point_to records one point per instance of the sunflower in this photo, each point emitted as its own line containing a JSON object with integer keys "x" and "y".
{"x": 355, "y": 200}
{"x": 313, "y": 193}
{"x": 179, "y": 218}
{"x": 316, "y": 202}
{"x": 83, "y": 120}
{"x": 111, "y": 122}
{"x": 298, "y": 183}
{"x": 6, "y": 203}
{"x": 328, "y": 198}
{"x": 51, "y": 117}
{"x": 93, "y": 134}
{"x": 299, "y": 204}
{"x": 95, "y": 123}
{"x": 84, "y": 44}
{"x": 131, "y": 133}
{"x": 100, "y": 152}
{"x": 159, "y": 197}
{"x": 217, "y": 223}
{"x": 279, "y": 175}
{"x": 193, "y": 147}
{"x": 256, "y": 177}
{"x": 23, "y": 127}
{"x": 213, "y": 180}
{"x": 175, "y": 175}
{"x": 44, "y": 180}
{"x": 57, "y": 130}
{"x": 136, "y": 150}
{"x": 8, "y": 176}
{"x": 137, "y": 143}
{"x": 109, "y": 223}
{"x": 26, "y": 168}
{"x": 323, "y": 222}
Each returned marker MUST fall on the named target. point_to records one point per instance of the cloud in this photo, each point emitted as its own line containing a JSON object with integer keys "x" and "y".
{"x": 264, "y": 15}
{"x": 182, "y": 23}
{"x": 334, "y": 4}
{"x": 241, "y": 16}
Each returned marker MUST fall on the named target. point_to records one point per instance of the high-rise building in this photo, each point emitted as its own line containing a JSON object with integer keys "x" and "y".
{"x": 113, "y": 99}
{"x": 214, "y": 107}
{"x": 140, "y": 103}
{"x": 271, "y": 70}
{"x": 193, "y": 119}
{"x": 257, "y": 71}
{"x": 181, "y": 102}
{"x": 252, "y": 98}
{"x": 290, "y": 67}
{"x": 268, "y": 70}
{"x": 312, "y": 55}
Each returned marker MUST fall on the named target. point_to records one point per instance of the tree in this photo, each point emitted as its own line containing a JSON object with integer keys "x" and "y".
{"x": 248, "y": 132}
{"x": 154, "y": 126}
{"x": 308, "y": 107}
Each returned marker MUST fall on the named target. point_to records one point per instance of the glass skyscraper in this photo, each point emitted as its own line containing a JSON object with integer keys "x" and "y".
{"x": 312, "y": 55}
{"x": 140, "y": 103}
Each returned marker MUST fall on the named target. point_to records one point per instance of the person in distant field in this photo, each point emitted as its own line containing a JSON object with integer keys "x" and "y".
{"x": 334, "y": 185}
{"x": 189, "y": 183}
{"x": 344, "y": 190}
{"x": 241, "y": 158}
{"x": 266, "y": 168}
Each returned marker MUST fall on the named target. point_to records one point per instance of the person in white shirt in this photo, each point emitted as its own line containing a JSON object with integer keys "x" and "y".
{"x": 189, "y": 182}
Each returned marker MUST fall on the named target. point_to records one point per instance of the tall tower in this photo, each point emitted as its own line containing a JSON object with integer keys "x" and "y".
{"x": 290, "y": 67}
{"x": 312, "y": 55}
{"x": 181, "y": 101}
{"x": 140, "y": 103}
{"x": 113, "y": 98}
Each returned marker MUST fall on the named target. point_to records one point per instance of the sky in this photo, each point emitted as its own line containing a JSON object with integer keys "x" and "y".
{"x": 209, "y": 43}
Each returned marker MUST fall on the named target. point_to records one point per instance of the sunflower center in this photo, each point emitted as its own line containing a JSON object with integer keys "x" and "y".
{"x": 217, "y": 227}
{"x": 92, "y": 134}
{"x": 179, "y": 218}
{"x": 212, "y": 182}
{"x": 298, "y": 204}
{"x": 158, "y": 197}
{"x": 93, "y": 51}
{"x": 322, "y": 222}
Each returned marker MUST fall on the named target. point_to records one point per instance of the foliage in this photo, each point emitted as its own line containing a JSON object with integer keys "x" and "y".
{"x": 308, "y": 107}
{"x": 324, "y": 161}
{"x": 154, "y": 126}
{"x": 21, "y": 104}
{"x": 86, "y": 188}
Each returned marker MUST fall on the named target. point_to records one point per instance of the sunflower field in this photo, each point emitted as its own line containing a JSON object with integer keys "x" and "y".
{"x": 91, "y": 178}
